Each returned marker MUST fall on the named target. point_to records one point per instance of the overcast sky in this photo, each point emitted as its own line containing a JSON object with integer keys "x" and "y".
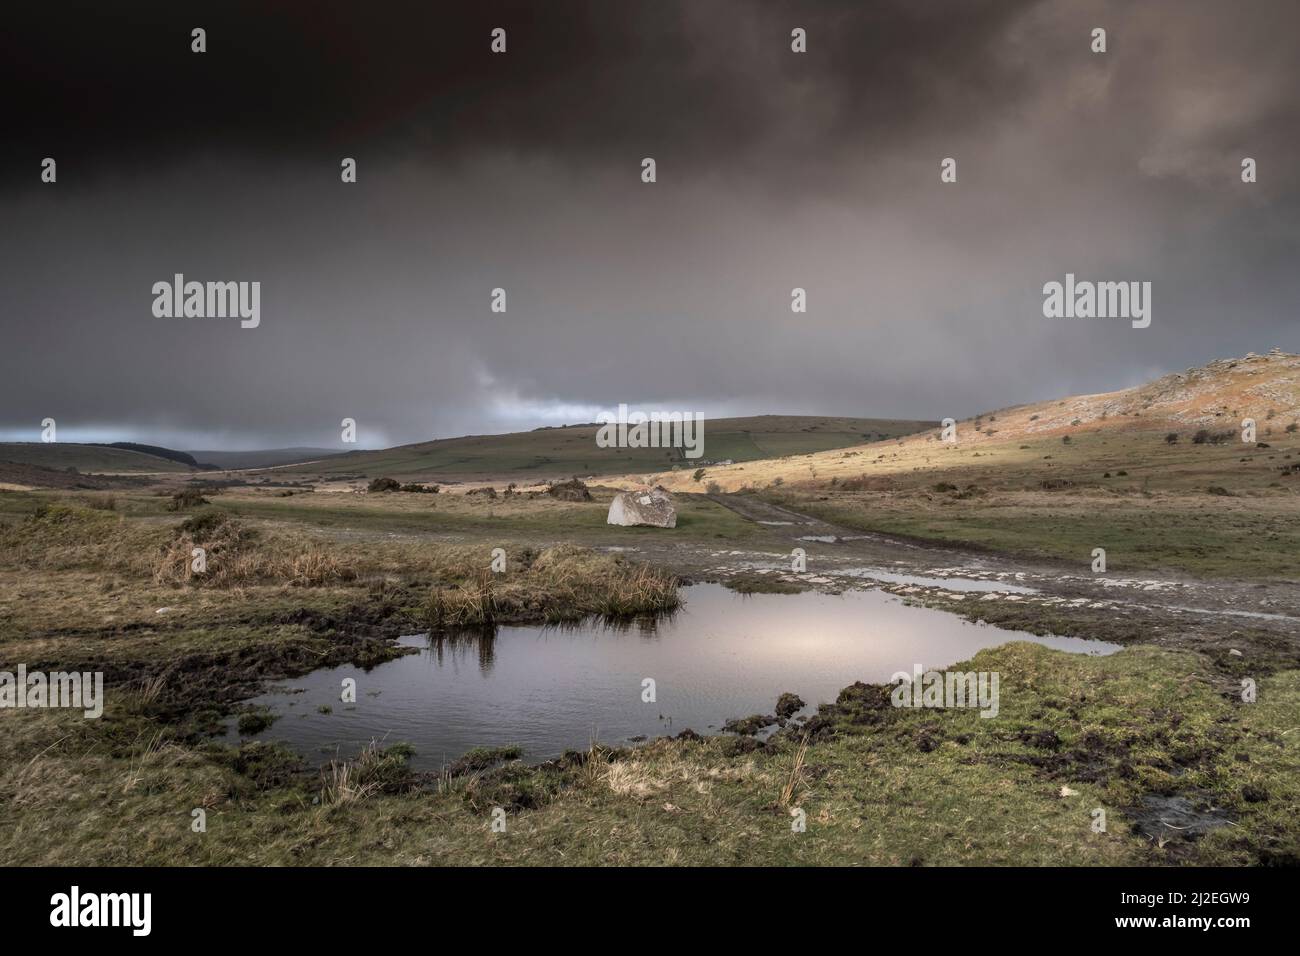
{"x": 523, "y": 171}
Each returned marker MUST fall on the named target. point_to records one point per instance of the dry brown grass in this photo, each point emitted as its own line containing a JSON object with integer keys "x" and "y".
{"x": 236, "y": 555}
{"x": 374, "y": 771}
{"x": 1114, "y": 430}
{"x": 795, "y": 780}
{"x": 562, "y": 583}
{"x": 58, "y": 537}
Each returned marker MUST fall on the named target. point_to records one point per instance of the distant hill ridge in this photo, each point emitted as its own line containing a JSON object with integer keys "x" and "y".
{"x": 157, "y": 451}
{"x": 563, "y": 452}
{"x": 1215, "y": 396}
{"x": 1218, "y": 395}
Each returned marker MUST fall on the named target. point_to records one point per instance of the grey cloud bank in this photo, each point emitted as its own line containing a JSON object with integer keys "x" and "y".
{"x": 521, "y": 171}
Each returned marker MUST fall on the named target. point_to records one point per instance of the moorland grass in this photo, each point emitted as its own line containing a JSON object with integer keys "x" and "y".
{"x": 878, "y": 787}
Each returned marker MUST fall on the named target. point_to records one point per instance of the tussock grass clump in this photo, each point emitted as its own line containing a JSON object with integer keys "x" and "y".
{"x": 377, "y": 770}
{"x": 99, "y": 502}
{"x": 563, "y": 583}
{"x": 187, "y": 498}
{"x": 471, "y": 604}
{"x": 513, "y": 787}
{"x": 236, "y": 555}
{"x": 417, "y": 488}
{"x": 67, "y": 523}
{"x": 255, "y": 721}
{"x": 574, "y": 490}
{"x": 65, "y": 537}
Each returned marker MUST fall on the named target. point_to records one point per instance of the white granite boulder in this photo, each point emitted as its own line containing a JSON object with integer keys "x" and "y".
{"x": 651, "y": 506}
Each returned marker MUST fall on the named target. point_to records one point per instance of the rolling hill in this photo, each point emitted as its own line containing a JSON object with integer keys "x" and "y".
{"x": 89, "y": 459}
{"x": 263, "y": 458}
{"x": 560, "y": 452}
{"x": 1186, "y": 424}
{"x": 1158, "y": 476}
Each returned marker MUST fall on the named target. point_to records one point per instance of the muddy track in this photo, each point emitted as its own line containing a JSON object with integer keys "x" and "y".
{"x": 1260, "y": 621}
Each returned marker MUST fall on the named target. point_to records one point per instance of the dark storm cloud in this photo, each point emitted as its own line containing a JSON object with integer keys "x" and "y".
{"x": 713, "y": 81}
{"x": 522, "y": 171}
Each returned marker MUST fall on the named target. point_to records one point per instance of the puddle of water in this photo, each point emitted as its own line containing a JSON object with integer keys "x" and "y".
{"x": 948, "y": 584}
{"x": 550, "y": 689}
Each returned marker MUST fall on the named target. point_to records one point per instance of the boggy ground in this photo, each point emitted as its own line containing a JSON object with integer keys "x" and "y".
{"x": 1156, "y": 737}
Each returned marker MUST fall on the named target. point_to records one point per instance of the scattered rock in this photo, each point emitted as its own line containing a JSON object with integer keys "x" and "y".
{"x": 653, "y": 507}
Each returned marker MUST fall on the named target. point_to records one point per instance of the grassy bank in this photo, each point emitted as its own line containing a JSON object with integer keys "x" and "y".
{"x": 105, "y": 582}
{"x": 116, "y": 586}
{"x": 876, "y": 784}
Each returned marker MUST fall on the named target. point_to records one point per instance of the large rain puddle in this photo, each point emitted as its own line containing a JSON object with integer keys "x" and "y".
{"x": 550, "y": 689}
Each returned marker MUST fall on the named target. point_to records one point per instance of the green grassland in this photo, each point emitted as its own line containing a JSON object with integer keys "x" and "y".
{"x": 517, "y": 518}
{"x": 73, "y": 564}
{"x": 365, "y": 518}
{"x": 99, "y": 580}
{"x": 89, "y": 459}
{"x": 877, "y": 785}
{"x": 1229, "y": 510}
{"x": 547, "y": 452}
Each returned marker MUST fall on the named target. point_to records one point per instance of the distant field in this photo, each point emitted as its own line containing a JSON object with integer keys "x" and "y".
{"x": 262, "y": 458}
{"x": 550, "y": 452}
{"x": 86, "y": 458}
{"x": 1230, "y": 510}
